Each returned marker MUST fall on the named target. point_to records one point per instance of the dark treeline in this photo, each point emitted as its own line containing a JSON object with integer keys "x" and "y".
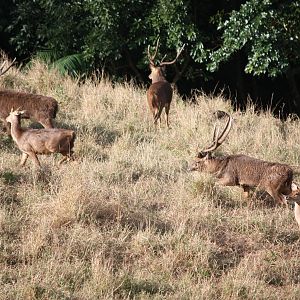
{"x": 247, "y": 49}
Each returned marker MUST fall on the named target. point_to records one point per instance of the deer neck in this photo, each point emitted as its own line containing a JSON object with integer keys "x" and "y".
{"x": 16, "y": 129}
{"x": 158, "y": 78}
{"x": 217, "y": 165}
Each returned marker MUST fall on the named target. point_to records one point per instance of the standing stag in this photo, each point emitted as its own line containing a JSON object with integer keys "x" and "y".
{"x": 242, "y": 170}
{"x": 40, "y": 108}
{"x": 159, "y": 94}
{"x": 40, "y": 141}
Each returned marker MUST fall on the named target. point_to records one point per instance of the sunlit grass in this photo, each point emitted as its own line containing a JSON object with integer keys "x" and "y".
{"x": 126, "y": 220}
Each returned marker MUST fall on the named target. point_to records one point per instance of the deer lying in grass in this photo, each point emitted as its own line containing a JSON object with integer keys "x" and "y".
{"x": 245, "y": 171}
{"x": 159, "y": 94}
{"x": 40, "y": 108}
{"x": 40, "y": 141}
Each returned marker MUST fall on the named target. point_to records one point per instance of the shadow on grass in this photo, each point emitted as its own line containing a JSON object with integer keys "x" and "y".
{"x": 111, "y": 213}
{"x": 7, "y": 144}
{"x": 231, "y": 248}
{"x": 8, "y": 194}
{"x": 9, "y": 177}
{"x": 102, "y": 135}
{"x": 131, "y": 287}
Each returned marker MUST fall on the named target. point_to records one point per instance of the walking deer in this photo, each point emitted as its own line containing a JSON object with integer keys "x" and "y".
{"x": 40, "y": 141}
{"x": 39, "y": 108}
{"x": 159, "y": 94}
{"x": 245, "y": 171}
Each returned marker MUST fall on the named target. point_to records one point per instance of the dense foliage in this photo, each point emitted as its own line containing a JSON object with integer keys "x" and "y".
{"x": 268, "y": 31}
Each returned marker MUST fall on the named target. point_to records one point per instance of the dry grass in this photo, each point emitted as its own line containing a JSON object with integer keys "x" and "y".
{"x": 126, "y": 220}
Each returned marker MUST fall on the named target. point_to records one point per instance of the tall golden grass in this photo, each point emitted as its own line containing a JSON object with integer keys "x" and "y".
{"x": 126, "y": 220}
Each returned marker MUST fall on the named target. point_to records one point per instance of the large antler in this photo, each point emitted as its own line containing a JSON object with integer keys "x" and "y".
{"x": 152, "y": 57}
{"x": 163, "y": 63}
{"x": 218, "y": 139}
{"x": 2, "y": 70}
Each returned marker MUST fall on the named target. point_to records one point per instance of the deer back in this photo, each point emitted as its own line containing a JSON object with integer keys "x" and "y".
{"x": 43, "y": 141}
{"x": 159, "y": 93}
{"x": 255, "y": 172}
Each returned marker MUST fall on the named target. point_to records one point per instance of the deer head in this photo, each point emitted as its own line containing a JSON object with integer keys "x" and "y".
{"x": 15, "y": 113}
{"x": 3, "y": 70}
{"x": 204, "y": 160}
{"x": 158, "y": 70}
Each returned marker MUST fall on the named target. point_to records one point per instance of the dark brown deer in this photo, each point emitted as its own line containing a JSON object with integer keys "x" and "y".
{"x": 245, "y": 171}
{"x": 159, "y": 94}
{"x": 40, "y": 141}
{"x": 39, "y": 108}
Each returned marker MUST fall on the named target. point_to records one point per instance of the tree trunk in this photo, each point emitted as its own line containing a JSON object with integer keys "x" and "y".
{"x": 133, "y": 66}
{"x": 290, "y": 75}
{"x": 179, "y": 73}
{"x": 241, "y": 97}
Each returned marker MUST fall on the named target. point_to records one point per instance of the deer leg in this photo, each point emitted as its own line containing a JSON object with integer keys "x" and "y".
{"x": 227, "y": 180}
{"x": 47, "y": 123}
{"x": 167, "y": 109}
{"x": 158, "y": 114}
{"x": 246, "y": 189}
{"x": 63, "y": 159}
{"x": 33, "y": 156}
{"x": 23, "y": 159}
{"x": 278, "y": 197}
{"x": 297, "y": 213}
{"x": 66, "y": 156}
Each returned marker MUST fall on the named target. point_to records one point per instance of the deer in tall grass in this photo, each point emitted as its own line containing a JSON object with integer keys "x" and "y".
{"x": 40, "y": 141}
{"x": 160, "y": 92}
{"x": 245, "y": 171}
{"x": 294, "y": 197}
{"x": 40, "y": 108}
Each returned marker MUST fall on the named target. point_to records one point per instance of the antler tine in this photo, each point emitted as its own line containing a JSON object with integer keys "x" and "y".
{"x": 223, "y": 135}
{"x": 213, "y": 145}
{"x": 219, "y": 139}
{"x": 162, "y": 59}
{"x": 2, "y": 67}
{"x": 173, "y": 61}
{"x": 151, "y": 57}
{"x": 216, "y": 133}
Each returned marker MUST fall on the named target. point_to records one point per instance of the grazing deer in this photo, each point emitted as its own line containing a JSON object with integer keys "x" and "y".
{"x": 243, "y": 170}
{"x": 40, "y": 108}
{"x": 40, "y": 141}
{"x": 159, "y": 94}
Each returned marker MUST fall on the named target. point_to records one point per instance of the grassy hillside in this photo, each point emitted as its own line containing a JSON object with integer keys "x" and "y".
{"x": 126, "y": 220}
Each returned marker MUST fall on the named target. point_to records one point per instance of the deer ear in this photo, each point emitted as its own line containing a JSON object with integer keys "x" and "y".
{"x": 22, "y": 112}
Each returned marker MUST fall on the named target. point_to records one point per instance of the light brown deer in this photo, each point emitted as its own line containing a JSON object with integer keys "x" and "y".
{"x": 294, "y": 197}
{"x": 159, "y": 94}
{"x": 245, "y": 171}
{"x": 40, "y": 141}
{"x": 39, "y": 108}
